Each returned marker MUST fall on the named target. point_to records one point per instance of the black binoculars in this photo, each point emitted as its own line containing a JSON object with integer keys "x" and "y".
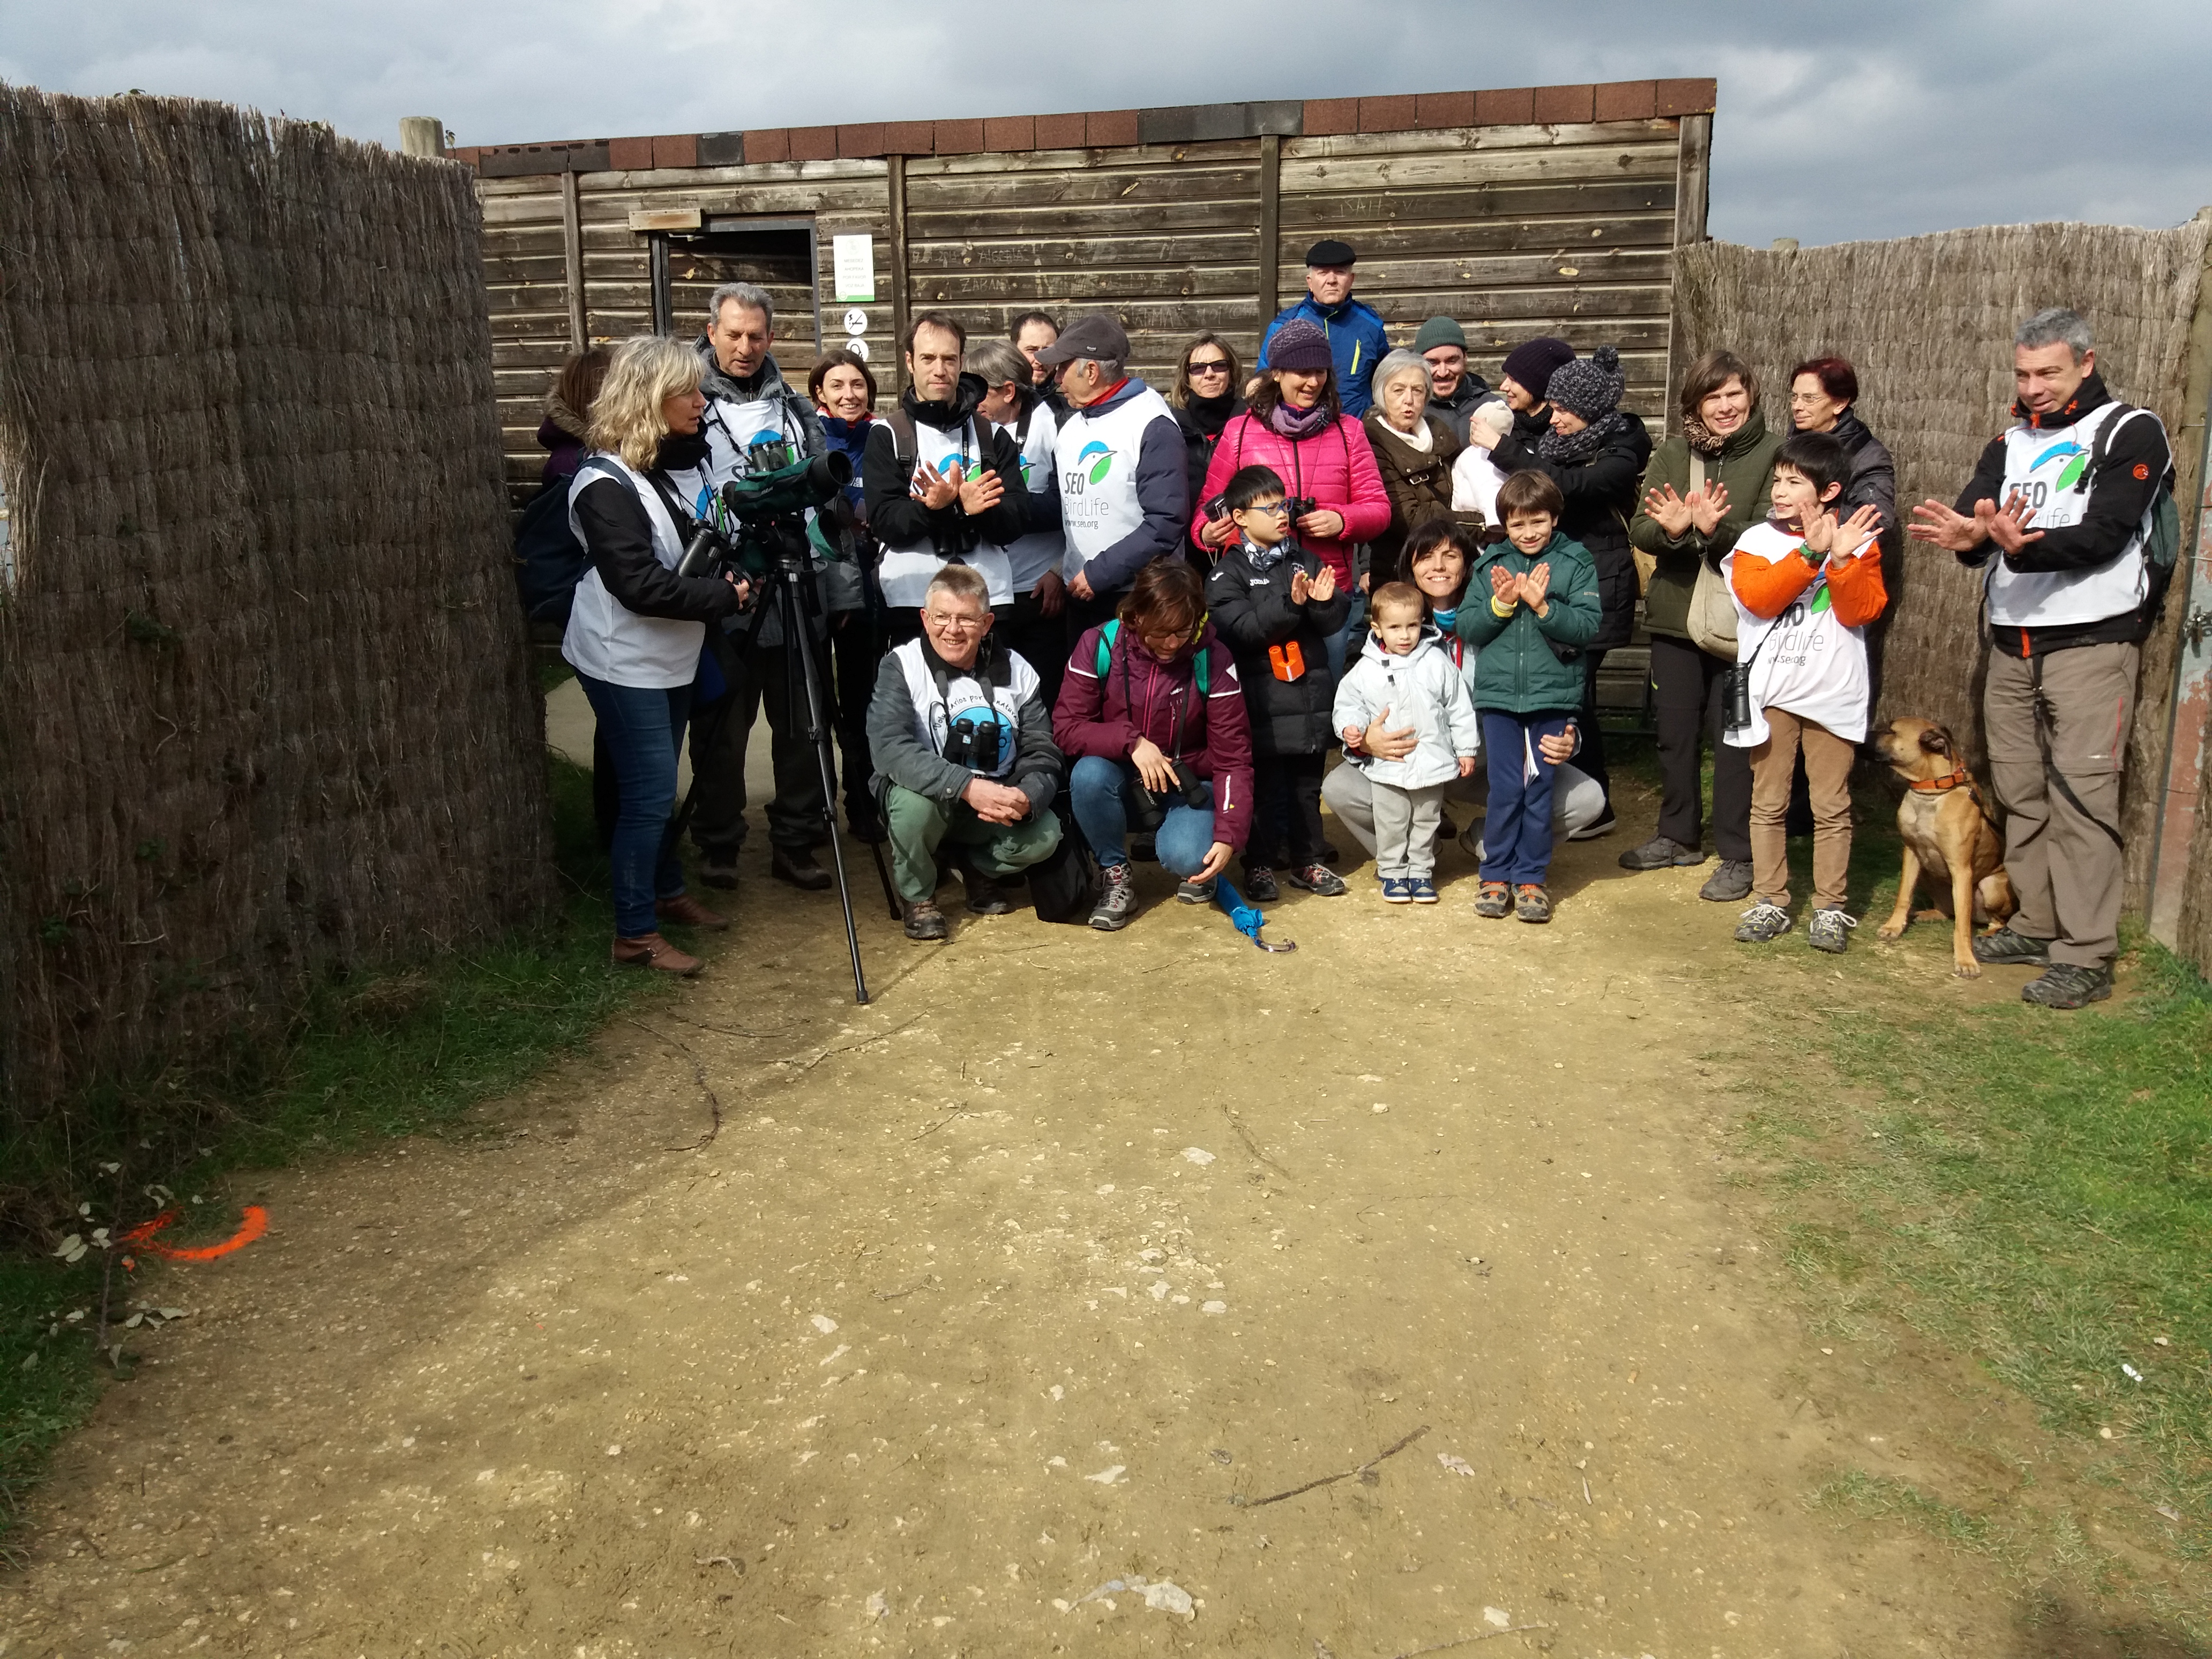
{"x": 973, "y": 742}
{"x": 1146, "y": 808}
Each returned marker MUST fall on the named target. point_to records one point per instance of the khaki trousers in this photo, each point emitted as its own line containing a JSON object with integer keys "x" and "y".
{"x": 1828, "y": 773}
{"x": 2066, "y": 863}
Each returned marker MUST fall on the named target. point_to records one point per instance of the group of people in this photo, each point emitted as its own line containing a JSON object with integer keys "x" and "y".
{"x": 1058, "y": 606}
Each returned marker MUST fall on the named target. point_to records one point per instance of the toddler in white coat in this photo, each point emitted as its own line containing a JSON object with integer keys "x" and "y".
{"x": 1405, "y": 669}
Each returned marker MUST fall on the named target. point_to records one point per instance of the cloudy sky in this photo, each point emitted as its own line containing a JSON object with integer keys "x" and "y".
{"x": 1865, "y": 119}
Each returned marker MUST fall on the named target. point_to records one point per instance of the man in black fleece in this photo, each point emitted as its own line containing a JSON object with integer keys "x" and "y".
{"x": 2058, "y": 511}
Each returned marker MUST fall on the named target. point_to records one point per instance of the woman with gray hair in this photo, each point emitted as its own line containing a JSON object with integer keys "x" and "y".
{"x": 636, "y": 627}
{"x": 1414, "y": 451}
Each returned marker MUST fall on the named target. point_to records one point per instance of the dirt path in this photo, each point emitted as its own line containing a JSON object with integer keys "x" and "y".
{"x": 1053, "y": 1266}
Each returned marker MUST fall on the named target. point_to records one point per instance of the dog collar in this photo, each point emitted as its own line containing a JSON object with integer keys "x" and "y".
{"x": 1938, "y": 785}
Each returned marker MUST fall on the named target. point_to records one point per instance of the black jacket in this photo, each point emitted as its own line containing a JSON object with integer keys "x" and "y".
{"x": 2120, "y": 493}
{"x": 1201, "y": 430}
{"x": 619, "y": 538}
{"x": 1252, "y": 612}
{"x": 897, "y": 519}
{"x": 1600, "y": 499}
{"x": 1457, "y": 410}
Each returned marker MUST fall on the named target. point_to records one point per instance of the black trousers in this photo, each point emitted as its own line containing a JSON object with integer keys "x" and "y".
{"x": 1040, "y": 641}
{"x": 1285, "y": 810}
{"x": 1590, "y": 758}
{"x": 1687, "y": 682}
{"x": 856, "y": 650}
{"x": 760, "y": 676}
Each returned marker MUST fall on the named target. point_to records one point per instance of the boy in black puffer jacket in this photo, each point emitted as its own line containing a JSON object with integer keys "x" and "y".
{"x": 1277, "y": 606}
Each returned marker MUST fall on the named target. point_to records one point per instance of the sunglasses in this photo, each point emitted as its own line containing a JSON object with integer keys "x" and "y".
{"x": 1211, "y": 366}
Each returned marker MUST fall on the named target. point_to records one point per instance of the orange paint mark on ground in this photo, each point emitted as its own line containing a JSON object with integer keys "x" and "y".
{"x": 252, "y": 1225}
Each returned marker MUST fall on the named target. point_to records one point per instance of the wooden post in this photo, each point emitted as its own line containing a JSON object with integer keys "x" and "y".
{"x": 664, "y": 305}
{"x": 422, "y": 135}
{"x": 895, "y": 171}
{"x": 1270, "y": 221}
{"x": 572, "y": 247}
{"x": 1692, "y": 183}
{"x": 2174, "y": 820}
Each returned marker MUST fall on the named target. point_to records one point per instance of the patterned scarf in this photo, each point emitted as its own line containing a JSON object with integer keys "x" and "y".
{"x": 1700, "y": 436}
{"x": 1264, "y": 559}
{"x": 1565, "y": 448}
{"x": 1297, "y": 424}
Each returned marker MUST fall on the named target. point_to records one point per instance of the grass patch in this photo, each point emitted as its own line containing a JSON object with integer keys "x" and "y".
{"x": 406, "y": 1051}
{"x": 1872, "y": 1497}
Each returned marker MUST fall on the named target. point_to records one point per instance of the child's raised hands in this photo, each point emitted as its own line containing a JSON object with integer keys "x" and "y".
{"x": 1504, "y": 585}
{"x": 1300, "y": 589}
{"x": 1322, "y": 588}
{"x": 1537, "y": 584}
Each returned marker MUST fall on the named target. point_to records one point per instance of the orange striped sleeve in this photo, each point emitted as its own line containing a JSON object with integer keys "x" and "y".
{"x": 1766, "y": 587}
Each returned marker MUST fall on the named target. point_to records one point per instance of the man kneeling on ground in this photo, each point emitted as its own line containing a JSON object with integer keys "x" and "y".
{"x": 963, "y": 752}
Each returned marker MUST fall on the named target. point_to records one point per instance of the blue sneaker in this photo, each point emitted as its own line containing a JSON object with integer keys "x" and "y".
{"x": 1421, "y": 891}
{"x": 1396, "y": 890}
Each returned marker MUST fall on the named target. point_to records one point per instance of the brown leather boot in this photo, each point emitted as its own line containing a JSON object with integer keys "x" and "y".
{"x": 687, "y": 912}
{"x": 651, "y": 950}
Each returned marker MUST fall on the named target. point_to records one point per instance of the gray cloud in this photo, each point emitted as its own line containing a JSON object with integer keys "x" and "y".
{"x": 1879, "y": 118}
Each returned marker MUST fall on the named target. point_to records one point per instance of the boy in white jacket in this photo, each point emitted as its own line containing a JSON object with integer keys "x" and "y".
{"x": 1405, "y": 669}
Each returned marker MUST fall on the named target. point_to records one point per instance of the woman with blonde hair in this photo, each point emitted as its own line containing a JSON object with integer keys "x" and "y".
{"x": 636, "y": 627}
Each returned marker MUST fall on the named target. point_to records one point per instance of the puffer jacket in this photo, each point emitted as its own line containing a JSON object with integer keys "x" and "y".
{"x": 1139, "y": 695}
{"x": 1423, "y": 688}
{"x": 1253, "y": 610}
{"x": 1532, "y": 664}
{"x": 1334, "y": 466}
{"x": 1745, "y": 465}
{"x": 1418, "y": 482}
{"x": 1601, "y": 492}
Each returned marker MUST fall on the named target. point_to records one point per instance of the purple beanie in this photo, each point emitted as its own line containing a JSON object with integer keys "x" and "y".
{"x": 1530, "y": 364}
{"x": 1300, "y": 345}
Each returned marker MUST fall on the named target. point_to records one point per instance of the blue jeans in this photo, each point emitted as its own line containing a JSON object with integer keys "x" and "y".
{"x": 1516, "y": 835}
{"x": 644, "y": 731}
{"x": 1094, "y": 795}
{"x": 1349, "y": 643}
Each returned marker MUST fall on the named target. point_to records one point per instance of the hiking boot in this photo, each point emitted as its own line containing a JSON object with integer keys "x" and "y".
{"x": 1730, "y": 882}
{"x": 1194, "y": 891}
{"x": 719, "y": 869}
{"x": 796, "y": 864}
{"x": 1316, "y": 879}
{"x": 1830, "y": 930}
{"x": 2069, "y": 985}
{"x": 2006, "y": 949}
{"x": 1422, "y": 890}
{"x": 1494, "y": 900}
{"x": 1660, "y": 852}
{"x": 687, "y": 912}
{"x": 1117, "y": 898}
{"x": 1531, "y": 903}
{"x": 1762, "y": 924}
{"x": 1259, "y": 884}
{"x": 1396, "y": 890}
{"x": 923, "y": 921}
{"x": 986, "y": 898}
{"x": 651, "y": 950}
{"x": 1603, "y": 824}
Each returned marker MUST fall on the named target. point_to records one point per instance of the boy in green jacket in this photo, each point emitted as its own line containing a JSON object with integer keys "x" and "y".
{"x": 1544, "y": 606}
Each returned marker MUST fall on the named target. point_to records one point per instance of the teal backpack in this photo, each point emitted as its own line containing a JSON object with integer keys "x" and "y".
{"x": 1110, "y": 631}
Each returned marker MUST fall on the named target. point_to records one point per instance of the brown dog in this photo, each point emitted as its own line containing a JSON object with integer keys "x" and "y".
{"x": 1947, "y": 832}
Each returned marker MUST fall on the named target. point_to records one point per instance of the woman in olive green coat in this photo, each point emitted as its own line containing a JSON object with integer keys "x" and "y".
{"x": 1692, "y": 513}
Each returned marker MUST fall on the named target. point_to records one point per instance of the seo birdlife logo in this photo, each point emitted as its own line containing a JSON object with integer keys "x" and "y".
{"x": 2035, "y": 491}
{"x": 1092, "y": 462}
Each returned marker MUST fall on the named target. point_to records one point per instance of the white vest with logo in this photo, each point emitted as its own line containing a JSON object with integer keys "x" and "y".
{"x": 967, "y": 693}
{"x": 734, "y": 428}
{"x": 905, "y": 573}
{"x": 1033, "y": 554}
{"x": 607, "y": 639}
{"x": 1806, "y": 662}
{"x": 2048, "y": 468}
{"x": 1096, "y": 457}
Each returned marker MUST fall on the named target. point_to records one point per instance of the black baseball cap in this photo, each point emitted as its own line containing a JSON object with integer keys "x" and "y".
{"x": 1097, "y": 336}
{"x": 1330, "y": 252}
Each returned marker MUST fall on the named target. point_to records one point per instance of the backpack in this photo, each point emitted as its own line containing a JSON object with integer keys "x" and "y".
{"x": 2162, "y": 544}
{"x": 1064, "y": 886}
{"x": 1109, "y": 630}
{"x": 548, "y": 560}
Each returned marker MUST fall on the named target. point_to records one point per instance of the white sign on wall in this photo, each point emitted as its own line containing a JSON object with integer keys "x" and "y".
{"x": 856, "y": 321}
{"x": 852, "y": 267}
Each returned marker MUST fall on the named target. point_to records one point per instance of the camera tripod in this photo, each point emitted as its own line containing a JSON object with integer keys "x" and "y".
{"x": 791, "y": 594}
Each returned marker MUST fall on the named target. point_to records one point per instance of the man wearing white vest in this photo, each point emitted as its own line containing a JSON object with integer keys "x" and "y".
{"x": 1124, "y": 471}
{"x": 2059, "y": 513}
{"x": 963, "y": 752}
{"x": 934, "y": 476}
{"x": 749, "y": 402}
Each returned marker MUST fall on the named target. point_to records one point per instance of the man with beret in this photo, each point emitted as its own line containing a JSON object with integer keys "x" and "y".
{"x": 1453, "y": 391}
{"x": 1124, "y": 471}
{"x": 1356, "y": 340}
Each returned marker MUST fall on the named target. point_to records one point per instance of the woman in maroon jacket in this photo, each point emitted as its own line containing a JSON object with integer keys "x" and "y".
{"x": 1151, "y": 704}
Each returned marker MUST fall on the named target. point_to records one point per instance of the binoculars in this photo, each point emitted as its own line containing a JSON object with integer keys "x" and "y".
{"x": 1146, "y": 809}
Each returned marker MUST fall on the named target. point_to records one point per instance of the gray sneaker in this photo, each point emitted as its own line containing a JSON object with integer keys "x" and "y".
{"x": 1117, "y": 899}
{"x": 1831, "y": 931}
{"x": 1762, "y": 924}
{"x": 2069, "y": 985}
{"x": 1728, "y": 882}
{"x": 2006, "y": 949}
{"x": 1196, "y": 892}
{"x": 1660, "y": 852}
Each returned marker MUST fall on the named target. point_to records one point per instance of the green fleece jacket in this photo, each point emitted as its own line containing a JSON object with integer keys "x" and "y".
{"x": 1517, "y": 671}
{"x": 1745, "y": 465}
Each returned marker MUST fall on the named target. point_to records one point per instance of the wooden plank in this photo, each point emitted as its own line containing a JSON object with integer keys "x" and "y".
{"x": 754, "y": 173}
{"x": 1268, "y": 288}
{"x": 920, "y": 167}
{"x": 1444, "y": 140}
{"x": 863, "y": 198}
{"x": 572, "y": 242}
{"x": 1403, "y": 171}
{"x": 689, "y": 218}
{"x": 892, "y": 375}
{"x": 979, "y": 192}
{"x": 1564, "y": 241}
{"x": 1078, "y": 286}
{"x": 1580, "y": 199}
{"x": 1692, "y": 182}
{"x": 1091, "y": 221}
{"x": 1239, "y": 245}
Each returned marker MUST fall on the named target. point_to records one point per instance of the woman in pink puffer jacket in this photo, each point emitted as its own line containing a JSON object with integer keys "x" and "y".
{"x": 1295, "y": 426}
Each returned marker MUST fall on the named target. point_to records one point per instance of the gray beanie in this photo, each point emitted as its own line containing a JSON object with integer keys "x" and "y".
{"x": 1439, "y": 332}
{"x": 1589, "y": 387}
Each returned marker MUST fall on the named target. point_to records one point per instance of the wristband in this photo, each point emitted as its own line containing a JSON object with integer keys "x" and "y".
{"x": 1497, "y": 608}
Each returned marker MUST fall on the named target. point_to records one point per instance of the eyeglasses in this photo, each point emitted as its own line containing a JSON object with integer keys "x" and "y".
{"x": 1211, "y": 366}
{"x": 954, "y": 624}
{"x": 1280, "y": 509}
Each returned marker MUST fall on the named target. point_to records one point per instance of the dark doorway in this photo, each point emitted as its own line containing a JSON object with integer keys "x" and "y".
{"x": 774, "y": 254}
